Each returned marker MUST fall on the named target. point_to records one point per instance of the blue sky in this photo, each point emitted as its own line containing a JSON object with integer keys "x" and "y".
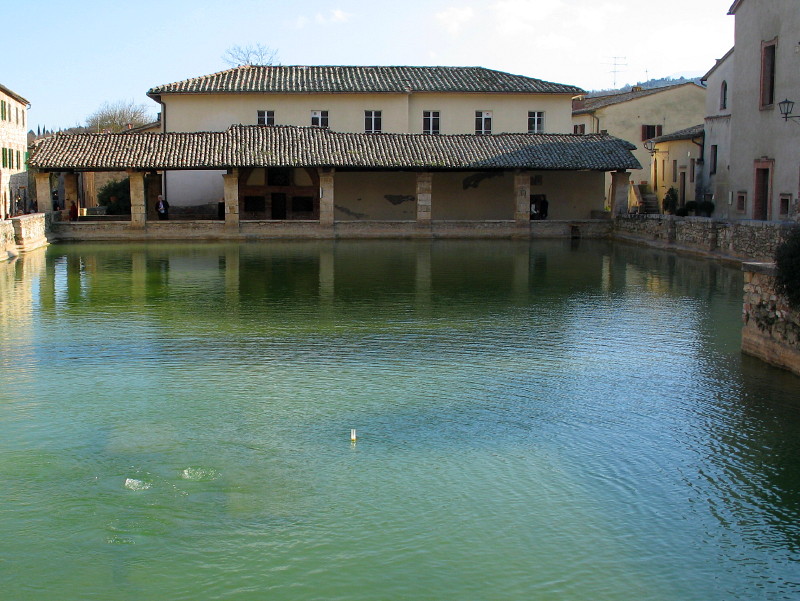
{"x": 79, "y": 55}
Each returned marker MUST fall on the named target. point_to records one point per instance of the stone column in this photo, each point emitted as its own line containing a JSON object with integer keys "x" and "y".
{"x": 620, "y": 184}
{"x": 424, "y": 197}
{"x": 231, "y": 187}
{"x": 71, "y": 190}
{"x": 522, "y": 198}
{"x": 326, "y": 207}
{"x": 138, "y": 208}
{"x": 43, "y": 198}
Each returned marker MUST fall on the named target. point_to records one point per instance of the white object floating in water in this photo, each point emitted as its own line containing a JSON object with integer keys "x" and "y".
{"x": 133, "y": 484}
{"x": 353, "y": 435}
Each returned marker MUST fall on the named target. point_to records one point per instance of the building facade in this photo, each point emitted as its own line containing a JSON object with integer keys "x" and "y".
{"x": 764, "y": 181}
{"x": 359, "y": 100}
{"x": 14, "y": 198}
{"x": 716, "y": 164}
{"x": 676, "y": 164}
{"x": 640, "y": 115}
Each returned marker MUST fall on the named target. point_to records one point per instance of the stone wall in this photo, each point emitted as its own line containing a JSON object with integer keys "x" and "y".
{"x": 7, "y": 245}
{"x": 771, "y": 328}
{"x": 214, "y": 229}
{"x": 30, "y": 231}
{"x": 748, "y": 240}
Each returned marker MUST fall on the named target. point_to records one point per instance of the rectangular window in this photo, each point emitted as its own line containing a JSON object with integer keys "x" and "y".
{"x": 692, "y": 167}
{"x": 786, "y": 201}
{"x": 430, "y": 122}
{"x": 741, "y": 201}
{"x": 535, "y": 122}
{"x": 712, "y": 160}
{"x": 3, "y": 110}
{"x": 579, "y": 129}
{"x": 483, "y": 123}
{"x": 372, "y": 122}
{"x": 651, "y": 131}
{"x": 5, "y": 158}
{"x": 674, "y": 171}
{"x": 319, "y": 118}
{"x": 18, "y": 160}
{"x": 266, "y": 118}
{"x": 768, "y": 73}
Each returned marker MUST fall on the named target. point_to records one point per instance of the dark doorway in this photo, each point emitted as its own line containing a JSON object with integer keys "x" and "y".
{"x": 682, "y": 188}
{"x": 761, "y": 200}
{"x": 278, "y": 205}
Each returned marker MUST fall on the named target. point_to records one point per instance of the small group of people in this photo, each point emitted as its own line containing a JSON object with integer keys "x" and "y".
{"x": 539, "y": 206}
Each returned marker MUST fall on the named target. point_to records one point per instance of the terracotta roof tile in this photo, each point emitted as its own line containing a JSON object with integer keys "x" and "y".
{"x": 283, "y": 146}
{"x": 357, "y": 79}
{"x": 593, "y": 103}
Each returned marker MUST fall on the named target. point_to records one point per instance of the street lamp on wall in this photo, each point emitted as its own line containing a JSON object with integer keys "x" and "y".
{"x": 786, "y": 107}
{"x": 650, "y": 146}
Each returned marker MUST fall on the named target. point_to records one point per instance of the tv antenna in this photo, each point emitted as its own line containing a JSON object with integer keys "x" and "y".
{"x": 616, "y": 66}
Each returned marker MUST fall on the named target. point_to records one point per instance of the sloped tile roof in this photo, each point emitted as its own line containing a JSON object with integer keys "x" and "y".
{"x": 351, "y": 79}
{"x": 689, "y": 133}
{"x": 592, "y": 103}
{"x": 13, "y": 95}
{"x": 284, "y": 146}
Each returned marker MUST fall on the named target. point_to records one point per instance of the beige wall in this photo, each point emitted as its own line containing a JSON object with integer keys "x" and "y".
{"x": 14, "y": 140}
{"x": 486, "y": 196}
{"x": 675, "y": 166}
{"x": 674, "y": 109}
{"x": 369, "y": 195}
{"x": 759, "y": 133}
{"x": 401, "y": 113}
{"x": 570, "y": 194}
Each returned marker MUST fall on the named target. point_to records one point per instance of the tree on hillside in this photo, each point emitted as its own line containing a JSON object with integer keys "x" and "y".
{"x": 252, "y": 54}
{"x": 116, "y": 116}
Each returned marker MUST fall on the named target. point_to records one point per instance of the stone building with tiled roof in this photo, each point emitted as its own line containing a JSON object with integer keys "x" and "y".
{"x": 357, "y": 144}
{"x": 13, "y": 150}
{"x": 640, "y": 115}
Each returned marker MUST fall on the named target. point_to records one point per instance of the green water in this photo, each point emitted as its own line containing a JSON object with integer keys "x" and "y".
{"x": 546, "y": 421}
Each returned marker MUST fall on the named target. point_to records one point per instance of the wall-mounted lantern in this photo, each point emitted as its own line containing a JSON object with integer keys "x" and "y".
{"x": 786, "y": 107}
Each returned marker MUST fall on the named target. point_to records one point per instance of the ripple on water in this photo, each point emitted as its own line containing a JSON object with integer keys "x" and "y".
{"x": 134, "y": 484}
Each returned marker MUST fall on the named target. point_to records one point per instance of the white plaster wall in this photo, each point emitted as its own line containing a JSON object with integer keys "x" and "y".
{"x": 756, "y": 132}
{"x": 362, "y": 195}
{"x": 192, "y": 188}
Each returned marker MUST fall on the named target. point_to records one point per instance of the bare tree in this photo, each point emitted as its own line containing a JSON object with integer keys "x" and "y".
{"x": 252, "y": 54}
{"x": 116, "y": 116}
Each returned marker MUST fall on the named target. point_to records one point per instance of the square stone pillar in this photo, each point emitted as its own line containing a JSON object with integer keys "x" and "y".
{"x": 424, "y": 197}
{"x": 44, "y": 200}
{"x": 138, "y": 208}
{"x": 326, "y": 207}
{"x": 620, "y": 184}
{"x": 231, "y": 188}
{"x": 71, "y": 190}
{"x": 522, "y": 198}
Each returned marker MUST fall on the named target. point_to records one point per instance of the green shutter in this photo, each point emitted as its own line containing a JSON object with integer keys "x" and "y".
{"x": 3, "y": 110}
{"x": 4, "y": 157}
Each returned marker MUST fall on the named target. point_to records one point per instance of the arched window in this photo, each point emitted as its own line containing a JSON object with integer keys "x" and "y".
{"x": 723, "y": 95}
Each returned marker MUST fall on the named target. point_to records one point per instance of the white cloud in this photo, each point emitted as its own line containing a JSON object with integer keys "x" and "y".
{"x": 339, "y": 16}
{"x": 455, "y": 18}
{"x": 334, "y": 15}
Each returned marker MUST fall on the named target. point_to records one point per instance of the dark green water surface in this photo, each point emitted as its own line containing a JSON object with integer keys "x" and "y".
{"x": 536, "y": 421}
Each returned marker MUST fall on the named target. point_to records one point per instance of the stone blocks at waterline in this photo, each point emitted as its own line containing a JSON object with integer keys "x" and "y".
{"x": 771, "y": 329}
